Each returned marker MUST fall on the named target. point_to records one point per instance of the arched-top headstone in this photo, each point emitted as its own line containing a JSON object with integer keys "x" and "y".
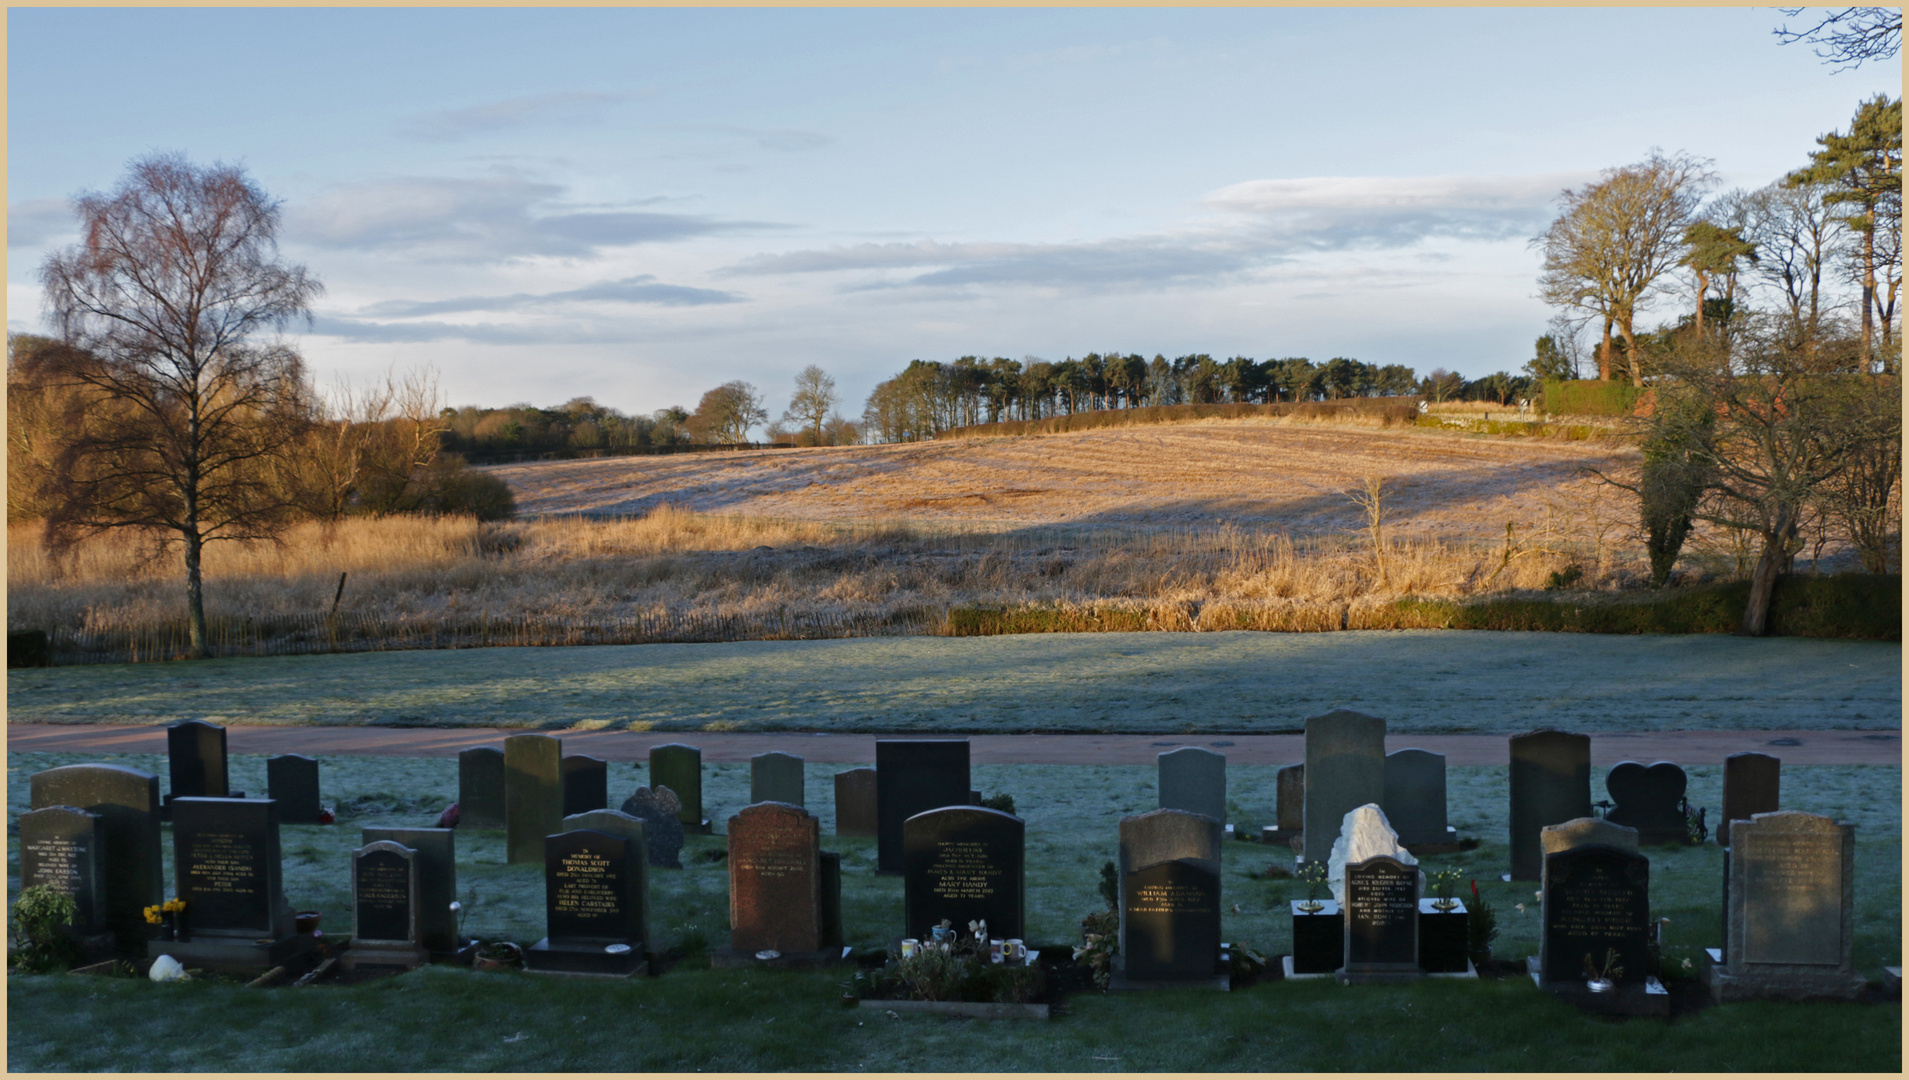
{"x": 291, "y": 781}
{"x": 679, "y": 767}
{"x": 855, "y": 803}
{"x": 1345, "y": 768}
{"x": 1751, "y": 784}
{"x": 775, "y": 879}
{"x": 964, "y": 863}
{"x": 776, "y": 777}
{"x": 1169, "y": 896}
{"x": 195, "y": 754}
{"x": 132, "y": 860}
{"x": 1415, "y": 796}
{"x": 480, "y": 787}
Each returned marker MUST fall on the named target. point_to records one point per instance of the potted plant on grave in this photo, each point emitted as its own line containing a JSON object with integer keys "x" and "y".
{"x": 1314, "y": 875}
{"x": 38, "y": 921}
{"x": 498, "y": 955}
{"x": 1481, "y": 929}
{"x": 1602, "y": 978}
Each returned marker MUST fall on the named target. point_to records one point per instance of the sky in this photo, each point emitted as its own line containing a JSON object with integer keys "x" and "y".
{"x": 638, "y": 205}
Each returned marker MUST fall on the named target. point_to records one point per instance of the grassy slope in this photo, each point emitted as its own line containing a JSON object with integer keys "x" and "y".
{"x": 693, "y": 1018}
{"x": 1432, "y": 681}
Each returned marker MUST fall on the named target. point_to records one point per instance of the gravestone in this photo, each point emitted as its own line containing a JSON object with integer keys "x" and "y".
{"x": 964, "y": 863}
{"x": 1595, "y": 919}
{"x": 291, "y": 781}
{"x": 586, "y": 784}
{"x": 1583, "y": 832}
{"x": 831, "y": 900}
{"x": 1364, "y": 833}
{"x": 60, "y": 847}
{"x": 436, "y": 861}
{"x": 1750, "y": 785}
{"x": 387, "y": 903}
{"x": 1790, "y": 910}
{"x": 912, "y": 776}
{"x": 636, "y": 831}
{"x": 1169, "y": 886}
{"x": 533, "y": 795}
{"x": 855, "y": 803}
{"x": 776, "y": 777}
{"x": 1290, "y": 788}
{"x": 659, "y": 811}
{"x": 680, "y": 769}
{"x": 775, "y": 880}
{"x": 594, "y": 907}
{"x": 132, "y": 861}
{"x": 480, "y": 788}
{"x": 226, "y": 868}
{"x": 1345, "y": 768}
{"x": 1382, "y": 921}
{"x": 1415, "y": 800}
{"x": 1193, "y": 779}
{"x": 195, "y": 757}
{"x": 1550, "y": 783}
{"x": 1649, "y": 800}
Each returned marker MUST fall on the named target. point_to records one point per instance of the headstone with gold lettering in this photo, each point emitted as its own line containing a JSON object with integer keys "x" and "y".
{"x": 777, "y": 886}
{"x": 132, "y": 859}
{"x": 1382, "y": 921}
{"x": 437, "y": 882}
{"x": 60, "y": 848}
{"x": 386, "y": 902}
{"x": 593, "y": 906}
{"x": 964, "y": 864}
{"x": 226, "y": 869}
{"x": 1790, "y": 910}
{"x": 1169, "y": 874}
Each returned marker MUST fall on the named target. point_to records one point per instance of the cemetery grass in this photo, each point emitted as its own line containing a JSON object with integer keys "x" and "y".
{"x": 1445, "y": 681}
{"x": 695, "y": 1017}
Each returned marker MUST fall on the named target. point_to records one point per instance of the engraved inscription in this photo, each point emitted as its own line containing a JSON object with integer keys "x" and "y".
{"x": 55, "y": 862}
{"x": 1793, "y": 892}
{"x": 223, "y": 864}
{"x": 1172, "y": 899}
{"x": 776, "y": 851}
{"x": 962, "y": 870}
{"x": 1599, "y": 904}
{"x": 586, "y": 887}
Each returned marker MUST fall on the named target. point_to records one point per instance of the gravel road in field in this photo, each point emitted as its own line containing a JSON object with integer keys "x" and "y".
{"x": 1173, "y": 683}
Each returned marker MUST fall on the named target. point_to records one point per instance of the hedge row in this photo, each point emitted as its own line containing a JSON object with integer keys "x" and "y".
{"x": 1393, "y": 411}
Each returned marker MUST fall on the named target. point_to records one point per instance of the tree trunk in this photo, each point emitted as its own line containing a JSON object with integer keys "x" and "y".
{"x": 195, "y": 599}
{"x": 1777, "y": 549}
{"x": 1604, "y": 355}
{"x": 1630, "y": 350}
{"x": 1703, "y": 286}
{"x": 1869, "y": 289}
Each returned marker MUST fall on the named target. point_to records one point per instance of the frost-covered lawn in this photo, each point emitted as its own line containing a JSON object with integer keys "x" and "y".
{"x": 1426, "y": 681}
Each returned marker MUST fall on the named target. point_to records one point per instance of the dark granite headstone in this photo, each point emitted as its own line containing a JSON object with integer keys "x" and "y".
{"x": 586, "y": 784}
{"x": 1290, "y": 791}
{"x": 1382, "y": 921}
{"x": 964, "y": 863}
{"x": 132, "y": 861}
{"x": 1169, "y": 881}
{"x": 1193, "y": 779}
{"x": 1649, "y": 800}
{"x": 226, "y": 862}
{"x": 1550, "y": 783}
{"x": 637, "y": 832}
{"x": 533, "y": 795}
{"x": 592, "y": 901}
{"x": 658, "y": 809}
{"x": 1791, "y": 910}
{"x": 386, "y": 906}
{"x": 480, "y": 788}
{"x": 1596, "y": 905}
{"x": 291, "y": 781}
{"x": 776, "y": 777}
{"x": 195, "y": 752}
{"x": 1345, "y": 769}
{"x": 911, "y": 776}
{"x": 855, "y": 803}
{"x": 1750, "y": 787}
{"x": 60, "y": 848}
{"x": 437, "y": 881}
{"x": 831, "y": 899}
{"x": 680, "y": 769}
{"x": 1415, "y": 796}
{"x": 775, "y": 879}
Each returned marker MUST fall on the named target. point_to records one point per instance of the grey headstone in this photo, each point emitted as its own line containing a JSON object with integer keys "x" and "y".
{"x": 1415, "y": 796}
{"x": 480, "y": 787}
{"x": 776, "y": 777}
{"x": 437, "y": 880}
{"x": 291, "y": 781}
{"x": 1550, "y": 784}
{"x": 1193, "y": 779}
{"x": 1382, "y": 920}
{"x": 387, "y": 902}
{"x": 1169, "y": 880}
{"x": 533, "y": 795}
{"x": 680, "y": 768}
{"x": 1345, "y": 769}
{"x": 1751, "y": 783}
{"x": 586, "y": 784}
{"x": 132, "y": 858}
{"x": 60, "y": 848}
{"x": 964, "y": 863}
{"x": 659, "y": 810}
{"x": 855, "y": 803}
{"x": 1291, "y": 789}
{"x": 912, "y": 776}
{"x": 195, "y": 754}
{"x": 1649, "y": 800}
{"x": 227, "y": 868}
{"x": 1791, "y": 905}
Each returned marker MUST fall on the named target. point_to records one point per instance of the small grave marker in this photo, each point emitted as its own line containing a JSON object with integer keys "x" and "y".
{"x": 436, "y": 861}
{"x": 1291, "y": 812}
{"x": 386, "y": 907}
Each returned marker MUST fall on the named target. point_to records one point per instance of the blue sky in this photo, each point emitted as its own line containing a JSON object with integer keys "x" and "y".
{"x": 641, "y": 204}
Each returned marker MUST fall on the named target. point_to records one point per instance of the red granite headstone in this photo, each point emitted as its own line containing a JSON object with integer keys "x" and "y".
{"x": 775, "y": 879}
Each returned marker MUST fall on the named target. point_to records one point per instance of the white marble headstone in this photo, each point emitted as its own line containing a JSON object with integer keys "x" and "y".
{"x": 1364, "y": 834}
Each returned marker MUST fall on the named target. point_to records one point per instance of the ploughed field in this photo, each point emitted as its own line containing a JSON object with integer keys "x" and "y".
{"x": 1291, "y": 476}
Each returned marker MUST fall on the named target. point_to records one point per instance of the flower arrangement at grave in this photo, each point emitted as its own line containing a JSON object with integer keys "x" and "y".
{"x": 953, "y": 967}
{"x": 1314, "y": 875}
{"x": 37, "y": 922}
{"x": 1605, "y": 975}
{"x": 171, "y": 915}
{"x": 1443, "y": 882}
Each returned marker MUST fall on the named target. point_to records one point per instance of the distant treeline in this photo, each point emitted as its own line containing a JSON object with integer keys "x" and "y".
{"x": 930, "y": 397}
{"x": 579, "y": 424}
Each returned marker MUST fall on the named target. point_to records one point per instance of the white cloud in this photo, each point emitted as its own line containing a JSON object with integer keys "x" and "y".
{"x": 1514, "y": 194}
{"x": 511, "y": 113}
{"x": 641, "y": 289}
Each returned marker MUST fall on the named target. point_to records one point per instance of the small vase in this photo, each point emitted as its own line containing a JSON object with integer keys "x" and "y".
{"x": 1599, "y": 986}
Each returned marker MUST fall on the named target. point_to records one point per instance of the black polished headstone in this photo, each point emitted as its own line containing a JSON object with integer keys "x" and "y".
{"x": 386, "y": 898}
{"x": 911, "y": 776}
{"x": 1751, "y": 784}
{"x": 1550, "y": 784}
{"x": 291, "y": 781}
{"x": 437, "y": 881}
{"x": 60, "y": 848}
{"x": 586, "y": 784}
{"x": 480, "y": 787}
{"x": 195, "y": 752}
{"x": 964, "y": 863}
{"x": 1596, "y": 900}
{"x": 132, "y": 859}
{"x": 592, "y": 902}
{"x": 1169, "y": 882}
{"x": 1382, "y": 919}
{"x": 227, "y": 870}
{"x": 1649, "y": 800}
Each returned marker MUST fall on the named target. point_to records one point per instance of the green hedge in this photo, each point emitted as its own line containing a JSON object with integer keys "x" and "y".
{"x": 1589, "y": 397}
{"x": 1391, "y": 411}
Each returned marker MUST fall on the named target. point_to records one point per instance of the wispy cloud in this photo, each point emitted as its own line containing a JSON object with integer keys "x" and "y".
{"x": 476, "y": 120}
{"x": 497, "y": 217}
{"x": 569, "y": 332}
{"x": 788, "y": 140}
{"x": 642, "y": 289}
{"x": 35, "y": 222}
